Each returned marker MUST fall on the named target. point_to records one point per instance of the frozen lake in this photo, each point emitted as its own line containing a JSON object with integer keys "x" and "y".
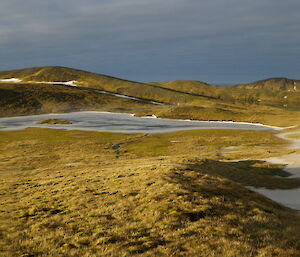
{"x": 120, "y": 122}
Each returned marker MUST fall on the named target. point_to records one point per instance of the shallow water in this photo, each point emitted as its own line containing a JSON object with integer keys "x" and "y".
{"x": 119, "y": 122}
{"x": 287, "y": 197}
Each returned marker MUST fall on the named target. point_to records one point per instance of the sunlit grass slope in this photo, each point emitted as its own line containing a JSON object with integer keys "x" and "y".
{"x": 74, "y": 193}
{"x": 228, "y": 112}
{"x": 26, "y": 99}
{"x": 279, "y": 92}
{"x": 101, "y": 82}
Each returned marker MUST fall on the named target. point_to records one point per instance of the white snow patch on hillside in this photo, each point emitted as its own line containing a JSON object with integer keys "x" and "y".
{"x": 150, "y": 117}
{"x": 72, "y": 83}
{"x": 117, "y": 95}
{"x": 11, "y": 80}
{"x": 128, "y": 97}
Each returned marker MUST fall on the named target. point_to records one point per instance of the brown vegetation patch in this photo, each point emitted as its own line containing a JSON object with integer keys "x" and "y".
{"x": 54, "y": 121}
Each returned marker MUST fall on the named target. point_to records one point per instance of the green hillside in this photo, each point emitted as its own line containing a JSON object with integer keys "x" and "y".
{"x": 192, "y": 87}
{"x": 279, "y": 92}
{"x": 283, "y": 84}
{"x": 273, "y": 101}
{"x": 25, "y": 99}
{"x": 100, "y": 82}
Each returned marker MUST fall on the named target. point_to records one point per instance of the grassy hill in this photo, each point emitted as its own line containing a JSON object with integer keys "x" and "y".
{"x": 25, "y": 99}
{"x": 277, "y": 92}
{"x": 191, "y": 86}
{"x": 100, "y": 82}
{"x": 283, "y": 84}
{"x": 260, "y": 101}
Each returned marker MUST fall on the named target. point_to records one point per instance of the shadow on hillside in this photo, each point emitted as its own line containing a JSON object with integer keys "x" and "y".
{"x": 204, "y": 186}
{"x": 248, "y": 173}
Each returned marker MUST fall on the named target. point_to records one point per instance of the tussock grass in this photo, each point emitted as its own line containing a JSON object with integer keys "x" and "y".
{"x": 75, "y": 193}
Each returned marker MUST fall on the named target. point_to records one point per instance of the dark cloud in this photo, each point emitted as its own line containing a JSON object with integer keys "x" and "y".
{"x": 215, "y": 41}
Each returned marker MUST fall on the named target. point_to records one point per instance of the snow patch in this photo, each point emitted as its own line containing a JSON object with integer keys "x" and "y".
{"x": 118, "y": 95}
{"x": 150, "y": 117}
{"x": 127, "y": 97}
{"x": 294, "y": 142}
{"x": 11, "y": 80}
{"x": 72, "y": 83}
{"x": 287, "y": 197}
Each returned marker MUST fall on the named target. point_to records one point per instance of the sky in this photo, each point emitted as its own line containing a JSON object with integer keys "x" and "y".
{"x": 215, "y": 41}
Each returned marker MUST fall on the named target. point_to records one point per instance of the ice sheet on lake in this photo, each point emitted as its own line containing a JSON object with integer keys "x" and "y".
{"x": 120, "y": 122}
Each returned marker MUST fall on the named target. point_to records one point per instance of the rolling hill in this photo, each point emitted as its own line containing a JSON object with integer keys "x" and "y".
{"x": 282, "y": 84}
{"x": 279, "y": 92}
{"x": 26, "y": 99}
{"x": 99, "y": 82}
{"x": 60, "y": 89}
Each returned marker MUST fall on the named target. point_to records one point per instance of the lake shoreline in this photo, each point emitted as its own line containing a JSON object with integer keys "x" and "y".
{"x": 288, "y": 197}
{"x": 187, "y": 123}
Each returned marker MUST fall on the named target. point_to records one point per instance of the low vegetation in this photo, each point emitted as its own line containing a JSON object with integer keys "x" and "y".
{"x": 296, "y": 136}
{"x": 54, "y": 121}
{"x": 75, "y": 193}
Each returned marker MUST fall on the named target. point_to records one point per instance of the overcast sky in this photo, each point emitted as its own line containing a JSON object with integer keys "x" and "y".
{"x": 217, "y": 41}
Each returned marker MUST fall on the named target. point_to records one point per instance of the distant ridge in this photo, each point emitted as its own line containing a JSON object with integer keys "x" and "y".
{"x": 60, "y": 73}
{"x": 273, "y": 84}
{"x": 60, "y": 89}
{"x": 53, "y": 73}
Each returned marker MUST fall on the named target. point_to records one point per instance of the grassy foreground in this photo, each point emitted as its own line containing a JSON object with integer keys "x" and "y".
{"x": 74, "y": 193}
